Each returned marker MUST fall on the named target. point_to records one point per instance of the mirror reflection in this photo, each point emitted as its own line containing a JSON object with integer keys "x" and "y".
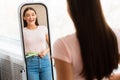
{"x": 36, "y": 41}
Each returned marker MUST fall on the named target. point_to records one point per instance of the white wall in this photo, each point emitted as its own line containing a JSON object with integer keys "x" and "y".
{"x": 60, "y": 24}
{"x": 111, "y": 10}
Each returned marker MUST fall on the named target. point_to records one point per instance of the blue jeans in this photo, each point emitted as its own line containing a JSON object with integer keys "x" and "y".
{"x": 39, "y": 68}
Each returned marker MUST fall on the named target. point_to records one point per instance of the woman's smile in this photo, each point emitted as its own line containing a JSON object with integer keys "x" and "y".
{"x": 30, "y": 17}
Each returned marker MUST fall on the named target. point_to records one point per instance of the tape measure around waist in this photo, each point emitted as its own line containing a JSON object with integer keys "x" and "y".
{"x": 30, "y": 54}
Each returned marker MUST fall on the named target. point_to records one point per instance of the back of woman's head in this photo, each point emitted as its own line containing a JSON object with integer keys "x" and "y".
{"x": 97, "y": 41}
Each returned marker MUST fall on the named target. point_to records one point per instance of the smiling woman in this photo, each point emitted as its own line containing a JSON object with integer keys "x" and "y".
{"x": 59, "y": 20}
{"x": 30, "y": 17}
{"x": 35, "y": 36}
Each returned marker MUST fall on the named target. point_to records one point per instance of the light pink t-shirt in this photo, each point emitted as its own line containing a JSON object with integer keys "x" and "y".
{"x": 35, "y": 40}
{"x": 117, "y": 33}
{"x": 68, "y": 50}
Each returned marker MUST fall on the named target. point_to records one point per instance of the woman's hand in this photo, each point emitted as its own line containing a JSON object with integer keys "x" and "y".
{"x": 42, "y": 54}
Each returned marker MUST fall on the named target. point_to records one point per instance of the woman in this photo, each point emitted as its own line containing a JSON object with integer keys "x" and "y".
{"x": 36, "y": 49}
{"x": 92, "y": 52}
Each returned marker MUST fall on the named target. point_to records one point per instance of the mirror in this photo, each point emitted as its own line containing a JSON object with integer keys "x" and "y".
{"x": 36, "y": 41}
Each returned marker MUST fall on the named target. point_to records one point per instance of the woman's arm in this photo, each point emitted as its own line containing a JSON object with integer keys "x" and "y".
{"x": 115, "y": 77}
{"x": 42, "y": 54}
{"x": 47, "y": 39}
{"x": 64, "y": 70}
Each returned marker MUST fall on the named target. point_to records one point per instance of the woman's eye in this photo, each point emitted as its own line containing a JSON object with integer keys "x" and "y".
{"x": 33, "y": 14}
{"x": 27, "y": 15}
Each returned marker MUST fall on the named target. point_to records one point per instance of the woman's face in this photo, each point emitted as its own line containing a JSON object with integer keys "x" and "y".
{"x": 30, "y": 17}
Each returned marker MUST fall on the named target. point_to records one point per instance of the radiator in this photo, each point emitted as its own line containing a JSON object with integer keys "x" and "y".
{"x": 12, "y": 66}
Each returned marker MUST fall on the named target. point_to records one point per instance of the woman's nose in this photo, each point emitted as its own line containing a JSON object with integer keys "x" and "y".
{"x": 30, "y": 17}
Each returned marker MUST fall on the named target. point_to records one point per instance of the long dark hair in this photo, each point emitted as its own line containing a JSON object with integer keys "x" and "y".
{"x": 97, "y": 41}
{"x": 29, "y": 8}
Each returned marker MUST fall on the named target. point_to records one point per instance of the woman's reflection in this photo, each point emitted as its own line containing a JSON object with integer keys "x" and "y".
{"x": 36, "y": 47}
